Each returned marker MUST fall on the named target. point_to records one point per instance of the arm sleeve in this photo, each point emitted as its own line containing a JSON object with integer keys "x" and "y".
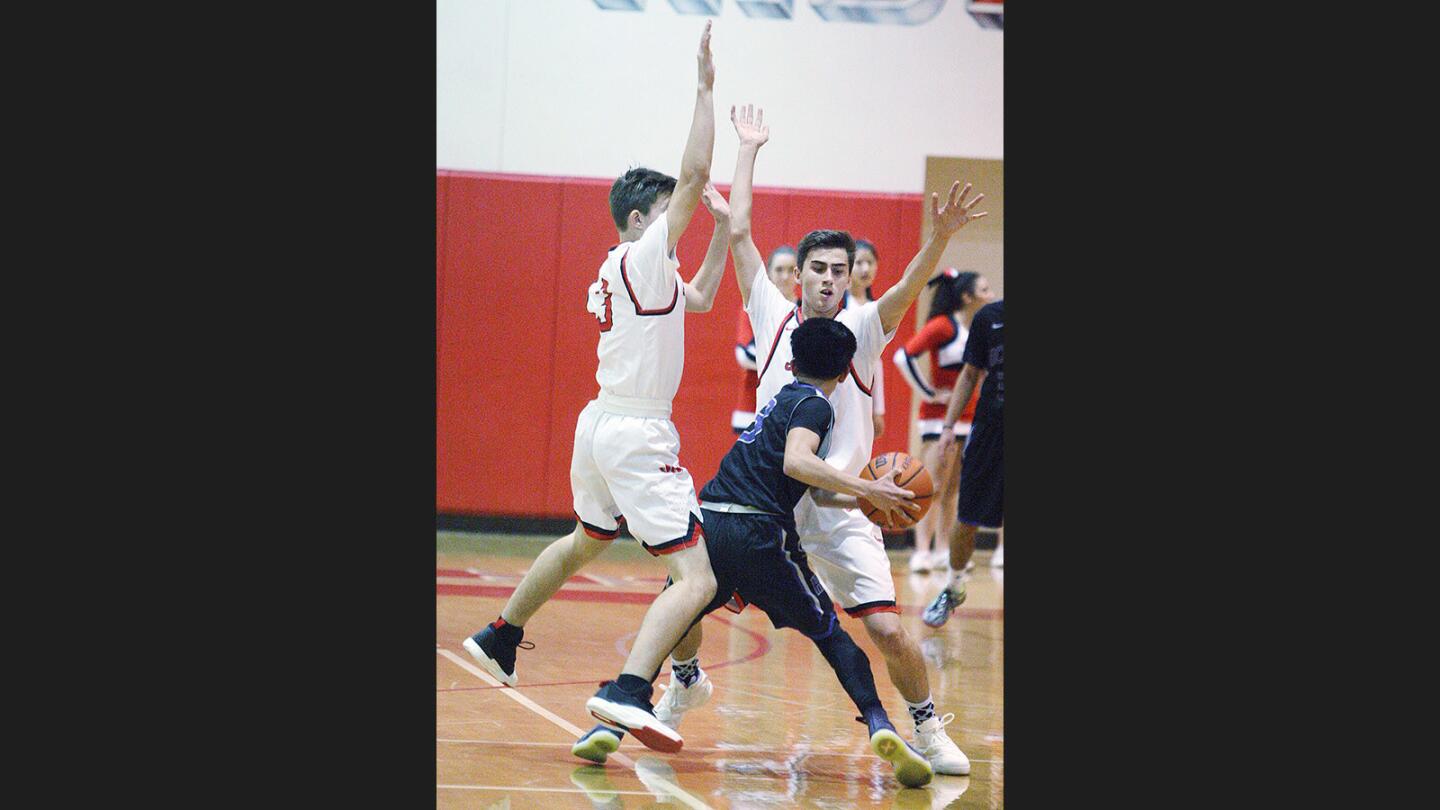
{"x": 813, "y": 413}
{"x": 936, "y": 332}
{"x": 649, "y": 272}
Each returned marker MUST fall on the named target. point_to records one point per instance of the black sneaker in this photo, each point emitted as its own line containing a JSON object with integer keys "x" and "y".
{"x": 495, "y": 655}
{"x": 617, "y": 707}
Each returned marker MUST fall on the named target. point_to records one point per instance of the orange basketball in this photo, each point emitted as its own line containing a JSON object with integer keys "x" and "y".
{"x": 913, "y": 477}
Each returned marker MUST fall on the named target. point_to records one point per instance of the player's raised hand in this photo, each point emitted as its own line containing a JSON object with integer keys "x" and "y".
{"x": 715, "y": 202}
{"x": 750, "y": 125}
{"x": 707, "y": 62}
{"x": 956, "y": 212}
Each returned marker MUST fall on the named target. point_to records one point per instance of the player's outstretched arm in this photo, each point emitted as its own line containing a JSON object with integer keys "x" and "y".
{"x": 700, "y": 290}
{"x": 804, "y": 466}
{"x": 699, "y": 147}
{"x": 750, "y": 126}
{"x": 946, "y": 223}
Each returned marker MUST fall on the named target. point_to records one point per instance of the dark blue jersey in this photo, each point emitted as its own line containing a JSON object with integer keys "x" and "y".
{"x": 986, "y": 348}
{"x": 753, "y": 472}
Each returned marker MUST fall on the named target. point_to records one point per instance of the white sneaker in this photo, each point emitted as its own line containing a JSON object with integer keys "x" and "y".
{"x": 680, "y": 699}
{"x": 997, "y": 560}
{"x": 919, "y": 562}
{"x": 939, "y": 749}
{"x": 940, "y": 559}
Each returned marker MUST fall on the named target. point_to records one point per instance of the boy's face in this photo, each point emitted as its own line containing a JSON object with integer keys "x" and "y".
{"x": 823, "y": 280}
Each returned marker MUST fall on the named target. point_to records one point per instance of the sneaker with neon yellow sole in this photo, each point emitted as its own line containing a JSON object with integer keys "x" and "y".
{"x": 911, "y": 769}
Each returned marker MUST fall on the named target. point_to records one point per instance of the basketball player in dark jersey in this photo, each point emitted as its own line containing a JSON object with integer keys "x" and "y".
{"x": 753, "y": 543}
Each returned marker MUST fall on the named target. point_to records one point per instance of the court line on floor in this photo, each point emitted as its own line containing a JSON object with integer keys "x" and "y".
{"x": 580, "y": 594}
{"x": 668, "y": 786}
{"x": 696, "y": 748}
{"x": 762, "y": 646}
{"x": 542, "y": 789}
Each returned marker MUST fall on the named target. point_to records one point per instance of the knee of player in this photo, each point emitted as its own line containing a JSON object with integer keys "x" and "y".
{"x": 885, "y": 630}
{"x": 703, "y": 581}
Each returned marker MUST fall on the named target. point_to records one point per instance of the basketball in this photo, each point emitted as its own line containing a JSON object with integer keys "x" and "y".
{"x": 913, "y": 477}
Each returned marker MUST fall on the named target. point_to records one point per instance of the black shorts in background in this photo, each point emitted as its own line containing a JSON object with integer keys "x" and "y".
{"x": 982, "y": 475}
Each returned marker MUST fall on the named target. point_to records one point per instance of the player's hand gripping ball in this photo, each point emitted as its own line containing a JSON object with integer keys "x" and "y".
{"x": 913, "y": 477}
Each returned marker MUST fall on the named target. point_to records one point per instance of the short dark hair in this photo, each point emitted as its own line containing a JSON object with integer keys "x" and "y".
{"x": 637, "y": 190}
{"x": 821, "y": 348}
{"x": 866, "y": 244}
{"x": 825, "y": 239}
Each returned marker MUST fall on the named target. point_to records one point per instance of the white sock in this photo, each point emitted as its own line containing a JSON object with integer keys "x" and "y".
{"x": 921, "y": 711}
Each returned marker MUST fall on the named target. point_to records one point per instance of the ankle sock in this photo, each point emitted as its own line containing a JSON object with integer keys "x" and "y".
{"x": 922, "y": 711}
{"x": 686, "y": 672}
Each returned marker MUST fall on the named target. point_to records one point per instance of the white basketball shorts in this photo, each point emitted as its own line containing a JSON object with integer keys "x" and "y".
{"x": 846, "y": 552}
{"x": 626, "y": 468}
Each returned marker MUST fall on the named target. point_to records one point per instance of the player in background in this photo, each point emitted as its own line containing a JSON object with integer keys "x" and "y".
{"x": 958, "y": 296}
{"x": 780, "y": 267}
{"x": 982, "y": 470}
{"x": 862, "y": 280}
{"x": 845, "y": 549}
{"x": 625, "y": 464}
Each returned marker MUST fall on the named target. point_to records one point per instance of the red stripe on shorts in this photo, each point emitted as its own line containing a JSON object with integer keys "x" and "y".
{"x": 876, "y": 609}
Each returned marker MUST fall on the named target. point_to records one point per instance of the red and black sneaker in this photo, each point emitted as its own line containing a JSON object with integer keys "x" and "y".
{"x": 494, "y": 649}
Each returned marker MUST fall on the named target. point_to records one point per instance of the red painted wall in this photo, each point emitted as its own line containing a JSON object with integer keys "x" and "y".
{"x": 515, "y": 347}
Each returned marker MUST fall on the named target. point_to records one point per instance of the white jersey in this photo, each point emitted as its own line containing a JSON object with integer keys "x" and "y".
{"x": 774, "y": 318}
{"x": 638, "y": 301}
{"x": 851, "y": 302}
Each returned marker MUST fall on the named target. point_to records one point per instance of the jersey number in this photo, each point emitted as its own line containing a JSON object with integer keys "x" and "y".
{"x": 607, "y": 321}
{"x": 749, "y": 436}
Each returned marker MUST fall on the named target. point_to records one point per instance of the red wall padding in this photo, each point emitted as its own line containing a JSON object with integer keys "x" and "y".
{"x": 516, "y": 347}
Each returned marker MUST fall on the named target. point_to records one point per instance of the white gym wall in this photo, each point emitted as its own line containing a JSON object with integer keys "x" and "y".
{"x": 539, "y": 86}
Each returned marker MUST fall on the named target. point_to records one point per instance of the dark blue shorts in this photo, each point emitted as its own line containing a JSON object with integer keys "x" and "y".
{"x": 759, "y": 558}
{"x": 982, "y": 475}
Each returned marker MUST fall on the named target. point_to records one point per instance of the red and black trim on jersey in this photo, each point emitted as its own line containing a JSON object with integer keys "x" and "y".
{"x": 859, "y": 384}
{"x": 691, "y": 536}
{"x": 795, "y": 313}
{"x": 866, "y": 608}
{"x": 639, "y": 310}
{"x": 598, "y": 533}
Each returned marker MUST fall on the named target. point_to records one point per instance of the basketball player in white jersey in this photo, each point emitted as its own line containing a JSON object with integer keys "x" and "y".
{"x": 625, "y": 466}
{"x": 845, "y": 549}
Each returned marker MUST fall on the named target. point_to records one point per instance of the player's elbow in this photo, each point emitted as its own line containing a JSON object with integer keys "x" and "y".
{"x": 696, "y": 171}
{"x": 792, "y": 464}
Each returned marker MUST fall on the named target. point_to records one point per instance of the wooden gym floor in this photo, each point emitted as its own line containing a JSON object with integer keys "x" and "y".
{"x": 778, "y": 731}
